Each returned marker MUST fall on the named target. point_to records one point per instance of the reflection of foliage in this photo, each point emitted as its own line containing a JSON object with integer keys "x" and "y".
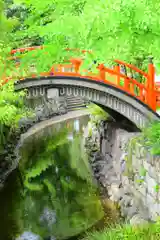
{"x": 63, "y": 180}
{"x": 78, "y": 159}
{"x": 10, "y": 214}
{"x": 43, "y": 162}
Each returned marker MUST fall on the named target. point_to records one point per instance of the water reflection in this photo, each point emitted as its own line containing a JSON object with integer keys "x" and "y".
{"x": 58, "y": 199}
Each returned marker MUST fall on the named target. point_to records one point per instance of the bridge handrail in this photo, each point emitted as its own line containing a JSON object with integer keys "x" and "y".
{"x": 141, "y": 85}
{"x": 25, "y": 49}
{"x": 147, "y": 93}
{"x": 132, "y": 67}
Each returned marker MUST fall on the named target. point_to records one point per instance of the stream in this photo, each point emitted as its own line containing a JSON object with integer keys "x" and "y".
{"x": 51, "y": 195}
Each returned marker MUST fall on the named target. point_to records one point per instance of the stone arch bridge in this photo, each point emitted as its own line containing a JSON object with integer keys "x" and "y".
{"x": 118, "y": 103}
{"x": 124, "y": 97}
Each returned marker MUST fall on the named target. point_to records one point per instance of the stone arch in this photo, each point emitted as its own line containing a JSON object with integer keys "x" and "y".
{"x": 103, "y": 94}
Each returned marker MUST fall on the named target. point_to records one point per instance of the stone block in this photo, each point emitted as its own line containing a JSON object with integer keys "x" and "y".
{"x": 149, "y": 199}
{"x": 125, "y": 201}
{"x": 146, "y": 165}
{"x": 124, "y": 211}
{"x": 149, "y": 157}
{"x": 137, "y": 151}
{"x": 142, "y": 188}
{"x": 106, "y": 146}
{"x": 137, "y": 220}
{"x": 151, "y": 183}
{"x": 131, "y": 211}
{"x": 157, "y": 164}
{"x": 158, "y": 196}
{"x": 139, "y": 197}
{"x": 158, "y": 178}
{"x": 125, "y": 181}
{"x": 108, "y": 158}
{"x": 153, "y": 171}
{"x": 136, "y": 163}
{"x": 154, "y": 211}
{"x": 150, "y": 169}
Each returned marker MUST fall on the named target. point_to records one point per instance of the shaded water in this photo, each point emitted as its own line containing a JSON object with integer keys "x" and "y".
{"x": 52, "y": 192}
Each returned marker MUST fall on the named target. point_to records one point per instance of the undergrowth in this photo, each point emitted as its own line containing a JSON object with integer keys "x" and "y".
{"x": 150, "y": 137}
{"x": 12, "y": 109}
{"x": 127, "y": 232}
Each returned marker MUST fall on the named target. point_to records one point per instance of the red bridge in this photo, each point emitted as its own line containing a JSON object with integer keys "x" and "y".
{"x": 147, "y": 92}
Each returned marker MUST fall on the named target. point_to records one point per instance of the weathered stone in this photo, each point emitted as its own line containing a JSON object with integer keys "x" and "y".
{"x": 137, "y": 220}
{"x": 131, "y": 211}
{"x": 125, "y": 201}
{"x": 116, "y": 197}
{"x": 124, "y": 211}
{"x": 155, "y": 211}
{"x": 136, "y": 163}
{"x": 136, "y": 150}
{"x": 157, "y": 164}
{"x": 113, "y": 179}
{"x": 149, "y": 200}
{"x": 142, "y": 188}
{"x": 108, "y": 157}
{"x": 151, "y": 184}
{"x": 150, "y": 169}
{"x": 125, "y": 181}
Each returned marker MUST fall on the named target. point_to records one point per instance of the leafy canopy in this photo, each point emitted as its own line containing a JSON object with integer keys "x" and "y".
{"x": 128, "y": 30}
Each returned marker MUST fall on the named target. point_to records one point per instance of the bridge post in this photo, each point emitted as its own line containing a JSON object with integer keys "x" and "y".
{"x": 77, "y": 63}
{"x": 102, "y": 72}
{"x": 151, "y": 94}
{"x": 117, "y": 69}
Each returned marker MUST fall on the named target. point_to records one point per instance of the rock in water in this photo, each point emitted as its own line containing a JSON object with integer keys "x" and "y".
{"x": 28, "y": 236}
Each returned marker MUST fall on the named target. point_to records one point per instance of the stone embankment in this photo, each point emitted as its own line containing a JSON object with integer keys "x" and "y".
{"x": 128, "y": 174}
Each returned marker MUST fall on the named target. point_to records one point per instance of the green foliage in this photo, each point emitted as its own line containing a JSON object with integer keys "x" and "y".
{"x": 57, "y": 173}
{"x": 87, "y": 24}
{"x": 140, "y": 181}
{"x": 79, "y": 160}
{"x": 97, "y": 112}
{"x": 124, "y": 232}
{"x": 6, "y": 27}
{"x": 143, "y": 172}
{"x": 12, "y": 109}
{"x": 11, "y": 105}
{"x": 157, "y": 188}
{"x": 151, "y": 138}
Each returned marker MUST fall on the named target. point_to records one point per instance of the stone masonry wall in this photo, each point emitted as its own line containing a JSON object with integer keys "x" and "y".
{"x": 139, "y": 171}
{"x": 131, "y": 176}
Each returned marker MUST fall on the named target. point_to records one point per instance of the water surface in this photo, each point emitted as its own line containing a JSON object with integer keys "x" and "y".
{"x": 51, "y": 194}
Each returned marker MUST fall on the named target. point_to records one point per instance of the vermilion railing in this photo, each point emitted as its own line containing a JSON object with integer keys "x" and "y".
{"x": 146, "y": 92}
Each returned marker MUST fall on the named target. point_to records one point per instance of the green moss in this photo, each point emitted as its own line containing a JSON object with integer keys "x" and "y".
{"x": 142, "y": 172}
{"x": 139, "y": 181}
{"x": 150, "y": 137}
{"x": 130, "y": 149}
{"x": 157, "y": 188}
